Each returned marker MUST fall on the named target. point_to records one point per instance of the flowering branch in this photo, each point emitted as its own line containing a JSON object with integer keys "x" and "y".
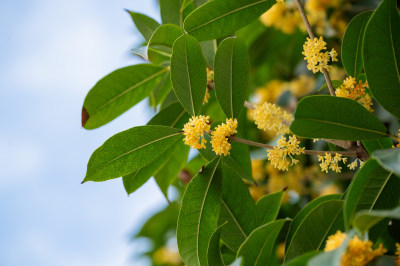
{"x": 309, "y": 152}
{"x": 312, "y": 36}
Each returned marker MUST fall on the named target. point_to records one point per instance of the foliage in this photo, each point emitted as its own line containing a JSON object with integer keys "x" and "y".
{"x": 227, "y": 77}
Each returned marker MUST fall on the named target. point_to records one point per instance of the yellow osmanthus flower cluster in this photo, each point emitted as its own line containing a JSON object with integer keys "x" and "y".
{"x": 194, "y": 131}
{"x": 283, "y": 16}
{"x": 280, "y": 153}
{"x": 268, "y": 116}
{"x": 220, "y": 136}
{"x": 317, "y": 58}
{"x": 331, "y": 162}
{"x": 355, "y": 91}
{"x": 358, "y": 252}
{"x": 397, "y": 258}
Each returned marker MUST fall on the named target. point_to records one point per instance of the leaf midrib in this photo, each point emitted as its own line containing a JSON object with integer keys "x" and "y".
{"x": 202, "y": 208}
{"x": 135, "y": 149}
{"x": 130, "y": 89}
{"x": 234, "y": 219}
{"x": 226, "y": 14}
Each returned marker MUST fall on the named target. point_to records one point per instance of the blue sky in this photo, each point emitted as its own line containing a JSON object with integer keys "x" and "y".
{"x": 51, "y": 53}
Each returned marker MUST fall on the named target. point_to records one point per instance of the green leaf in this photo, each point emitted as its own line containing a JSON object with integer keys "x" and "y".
{"x": 144, "y": 24}
{"x": 209, "y": 48}
{"x": 172, "y": 13}
{"x": 166, "y": 176}
{"x": 231, "y": 75}
{"x": 365, "y": 189}
{"x": 364, "y": 220}
{"x": 172, "y": 115}
{"x": 332, "y": 258}
{"x": 389, "y": 159}
{"x": 328, "y": 117}
{"x": 238, "y": 160}
{"x": 198, "y": 3}
{"x": 188, "y": 73}
{"x": 237, "y": 208}
{"x": 160, "y": 92}
{"x": 219, "y": 18}
{"x": 267, "y": 207}
{"x": 129, "y": 151}
{"x": 381, "y": 55}
{"x": 299, "y": 218}
{"x": 324, "y": 220}
{"x": 302, "y": 259}
{"x": 117, "y": 92}
{"x": 159, "y": 49}
{"x": 258, "y": 247}
{"x": 199, "y": 213}
{"x": 135, "y": 180}
{"x": 352, "y": 44}
{"x": 214, "y": 256}
{"x": 377, "y": 144}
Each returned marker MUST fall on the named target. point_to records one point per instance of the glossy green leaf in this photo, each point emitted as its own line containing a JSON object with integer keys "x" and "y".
{"x": 324, "y": 220}
{"x": 129, "y": 151}
{"x": 198, "y": 3}
{"x": 168, "y": 174}
{"x": 389, "y": 159}
{"x": 352, "y": 44}
{"x": 209, "y": 48}
{"x": 135, "y": 180}
{"x": 303, "y": 213}
{"x": 238, "y": 160}
{"x": 188, "y": 73}
{"x": 117, "y": 92}
{"x": 160, "y": 92}
{"x": 231, "y": 75}
{"x": 199, "y": 213}
{"x": 172, "y": 13}
{"x": 267, "y": 207}
{"x": 381, "y": 55}
{"x": 220, "y": 18}
{"x": 364, "y": 220}
{"x": 365, "y": 189}
{"x": 144, "y": 24}
{"x": 377, "y": 144}
{"x": 328, "y": 117}
{"x": 159, "y": 49}
{"x": 302, "y": 260}
{"x": 332, "y": 258}
{"x": 141, "y": 52}
{"x": 258, "y": 247}
{"x": 214, "y": 256}
{"x": 237, "y": 208}
{"x": 172, "y": 115}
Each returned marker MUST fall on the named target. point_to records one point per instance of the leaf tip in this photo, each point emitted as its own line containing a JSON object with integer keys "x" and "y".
{"x": 85, "y": 116}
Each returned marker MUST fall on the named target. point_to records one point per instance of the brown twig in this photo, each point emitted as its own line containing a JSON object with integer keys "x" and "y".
{"x": 312, "y": 36}
{"x": 309, "y": 152}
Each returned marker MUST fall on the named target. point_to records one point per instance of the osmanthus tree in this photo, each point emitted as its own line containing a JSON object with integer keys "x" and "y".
{"x": 239, "y": 83}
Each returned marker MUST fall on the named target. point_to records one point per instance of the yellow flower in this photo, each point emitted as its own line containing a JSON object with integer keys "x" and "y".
{"x": 329, "y": 162}
{"x": 397, "y": 258}
{"x": 206, "y": 97}
{"x": 257, "y": 169}
{"x": 355, "y": 91}
{"x": 302, "y": 85}
{"x": 282, "y": 16}
{"x": 353, "y": 165}
{"x": 256, "y": 192}
{"x": 268, "y": 116}
{"x": 358, "y": 253}
{"x": 317, "y": 58}
{"x": 194, "y": 131}
{"x": 280, "y": 153}
{"x": 334, "y": 241}
{"x": 219, "y": 137}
